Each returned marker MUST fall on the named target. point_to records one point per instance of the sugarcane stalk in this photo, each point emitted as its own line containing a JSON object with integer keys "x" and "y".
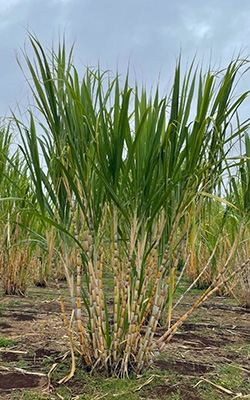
{"x": 159, "y": 273}
{"x": 145, "y": 314}
{"x": 80, "y": 329}
{"x": 63, "y": 312}
{"x": 154, "y": 319}
{"x": 128, "y": 266}
{"x": 143, "y": 353}
{"x": 131, "y": 336}
{"x": 116, "y": 283}
{"x": 100, "y": 307}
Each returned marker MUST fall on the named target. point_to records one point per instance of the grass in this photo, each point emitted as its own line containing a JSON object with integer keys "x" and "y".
{"x": 50, "y": 298}
{"x": 109, "y": 388}
{"x": 232, "y": 378}
{"x": 6, "y": 342}
{"x": 242, "y": 350}
{"x": 14, "y": 303}
{"x": 207, "y": 392}
{"x": 175, "y": 396}
{"x": 228, "y": 377}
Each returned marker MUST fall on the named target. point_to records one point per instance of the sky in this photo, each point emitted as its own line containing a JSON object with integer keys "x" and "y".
{"x": 147, "y": 34}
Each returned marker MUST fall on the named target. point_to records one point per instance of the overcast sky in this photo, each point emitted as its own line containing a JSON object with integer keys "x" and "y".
{"x": 148, "y": 33}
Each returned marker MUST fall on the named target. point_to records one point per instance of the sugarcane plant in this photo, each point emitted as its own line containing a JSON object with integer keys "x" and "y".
{"x": 124, "y": 171}
{"x": 15, "y": 250}
{"x": 238, "y": 193}
{"x": 225, "y": 228}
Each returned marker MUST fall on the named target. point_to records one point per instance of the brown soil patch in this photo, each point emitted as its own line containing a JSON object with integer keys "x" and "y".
{"x": 51, "y": 307}
{"x": 9, "y": 357}
{"x": 184, "y": 367}
{"x": 14, "y": 380}
{"x": 197, "y": 340}
{"x": 184, "y": 392}
{"x": 40, "y": 353}
{"x": 23, "y": 317}
{"x": 245, "y": 329}
{"x": 3, "y": 325}
{"x": 228, "y": 308}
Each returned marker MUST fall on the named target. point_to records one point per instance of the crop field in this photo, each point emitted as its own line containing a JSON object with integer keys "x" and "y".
{"x": 207, "y": 359}
{"x": 125, "y": 235}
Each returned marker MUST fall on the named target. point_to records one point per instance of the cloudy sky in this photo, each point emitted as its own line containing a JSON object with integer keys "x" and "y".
{"x": 147, "y": 33}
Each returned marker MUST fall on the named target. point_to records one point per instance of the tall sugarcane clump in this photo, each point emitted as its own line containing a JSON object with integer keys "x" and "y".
{"x": 15, "y": 250}
{"x": 126, "y": 177}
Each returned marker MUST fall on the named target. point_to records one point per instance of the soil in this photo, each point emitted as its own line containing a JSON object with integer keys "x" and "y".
{"x": 215, "y": 336}
{"x": 185, "y": 391}
{"x": 4, "y": 326}
{"x": 13, "y": 380}
{"x": 184, "y": 367}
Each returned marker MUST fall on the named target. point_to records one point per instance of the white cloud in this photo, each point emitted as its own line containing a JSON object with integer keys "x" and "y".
{"x": 200, "y": 29}
{"x": 5, "y": 5}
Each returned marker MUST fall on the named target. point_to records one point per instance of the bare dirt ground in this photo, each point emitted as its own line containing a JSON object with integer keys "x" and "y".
{"x": 209, "y": 358}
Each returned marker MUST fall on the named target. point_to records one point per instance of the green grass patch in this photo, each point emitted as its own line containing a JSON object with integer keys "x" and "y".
{"x": 14, "y": 303}
{"x": 6, "y": 342}
{"x": 242, "y": 350}
{"x": 231, "y": 378}
{"x": 50, "y": 298}
{"x": 98, "y": 385}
